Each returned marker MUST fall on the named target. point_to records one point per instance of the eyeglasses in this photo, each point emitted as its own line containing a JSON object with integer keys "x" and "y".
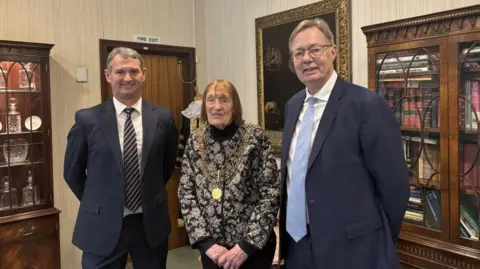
{"x": 315, "y": 51}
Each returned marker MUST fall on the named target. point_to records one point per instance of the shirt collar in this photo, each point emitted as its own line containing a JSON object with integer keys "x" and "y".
{"x": 119, "y": 106}
{"x": 324, "y": 93}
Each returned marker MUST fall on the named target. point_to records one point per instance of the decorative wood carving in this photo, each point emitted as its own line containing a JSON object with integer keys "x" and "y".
{"x": 435, "y": 25}
{"x": 435, "y": 256}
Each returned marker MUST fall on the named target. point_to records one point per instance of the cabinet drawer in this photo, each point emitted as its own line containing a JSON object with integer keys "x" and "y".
{"x": 37, "y": 253}
{"x": 27, "y": 229}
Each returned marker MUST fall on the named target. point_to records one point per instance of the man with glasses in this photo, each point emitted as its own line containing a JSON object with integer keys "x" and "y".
{"x": 345, "y": 179}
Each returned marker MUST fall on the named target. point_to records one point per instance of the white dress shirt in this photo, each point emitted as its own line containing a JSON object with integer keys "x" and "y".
{"x": 137, "y": 124}
{"x": 322, "y": 98}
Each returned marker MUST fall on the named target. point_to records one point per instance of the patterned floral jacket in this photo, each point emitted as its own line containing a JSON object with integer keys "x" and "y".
{"x": 229, "y": 191}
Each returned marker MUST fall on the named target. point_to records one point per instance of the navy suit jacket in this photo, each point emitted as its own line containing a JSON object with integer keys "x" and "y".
{"x": 357, "y": 180}
{"x": 93, "y": 169}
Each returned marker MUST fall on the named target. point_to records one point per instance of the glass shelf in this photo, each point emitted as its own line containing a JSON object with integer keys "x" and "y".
{"x": 3, "y": 90}
{"x": 41, "y": 202}
{"x": 22, "y": 133}
{"x": 3, "y": 164}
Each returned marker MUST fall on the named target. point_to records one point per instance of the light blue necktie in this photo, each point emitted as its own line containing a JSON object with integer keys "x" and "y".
{"x": 296, "y": 212}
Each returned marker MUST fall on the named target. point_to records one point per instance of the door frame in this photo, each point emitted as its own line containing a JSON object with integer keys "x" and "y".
{"x": 185, "y": 54}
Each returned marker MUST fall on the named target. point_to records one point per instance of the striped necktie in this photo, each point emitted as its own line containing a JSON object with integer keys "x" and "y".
{"x": 131, "y": 168}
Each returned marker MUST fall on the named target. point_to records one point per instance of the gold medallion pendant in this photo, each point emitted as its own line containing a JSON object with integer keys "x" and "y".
{"x": 216, "y": 193}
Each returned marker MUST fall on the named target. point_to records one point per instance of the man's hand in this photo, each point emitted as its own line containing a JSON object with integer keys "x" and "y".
{"x": 215, "y": 252}
{"x": 233, "y": 259}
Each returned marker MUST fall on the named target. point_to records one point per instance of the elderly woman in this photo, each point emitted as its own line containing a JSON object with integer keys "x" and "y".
{"x": 229, "y": 190}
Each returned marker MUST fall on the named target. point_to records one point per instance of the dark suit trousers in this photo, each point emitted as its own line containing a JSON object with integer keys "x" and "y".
{"x": 299, "y": 255}
{"x": 261, "y": 259}
{"x": 132, "y": 240}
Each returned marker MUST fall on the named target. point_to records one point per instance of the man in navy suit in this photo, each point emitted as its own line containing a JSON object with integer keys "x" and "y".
{"x": 345, "y": 179}
{"x": 119, "y": 157}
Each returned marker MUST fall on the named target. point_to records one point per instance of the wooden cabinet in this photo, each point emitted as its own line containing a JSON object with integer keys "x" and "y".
{"x": 31, "y": 242}
{"x": 29, "y": 236}
{"x": 428, "y": 70}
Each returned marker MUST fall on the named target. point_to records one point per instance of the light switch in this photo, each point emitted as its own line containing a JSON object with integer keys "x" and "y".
{"x": 82, "y": 74}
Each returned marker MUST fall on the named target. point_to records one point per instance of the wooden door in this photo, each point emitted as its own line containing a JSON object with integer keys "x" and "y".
{"x": 163, "y": 87}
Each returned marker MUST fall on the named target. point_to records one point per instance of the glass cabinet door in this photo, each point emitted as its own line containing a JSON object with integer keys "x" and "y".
{"x": 21, "y": 137}
{"x": 409, "y": 81}
{"x": 468, "y": 59}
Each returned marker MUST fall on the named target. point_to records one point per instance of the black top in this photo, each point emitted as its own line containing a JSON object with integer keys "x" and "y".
{"x": 221, "y": 135}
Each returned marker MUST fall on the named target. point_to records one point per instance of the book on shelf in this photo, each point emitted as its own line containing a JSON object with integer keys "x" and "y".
{"x": 424, "y": 207}
{"x": 394, "y": 59}
{"x": 434, "y": 211}
{"x": 469, "y": 105}
{"x": 401, "y": 70}
{"x": 469, "y": 166}
{"x": 399, "y": 79}
{"x": 405, "y": 65}
{"x": 473, "y": 50}
{"x": 469, "y": 217}
{"x": 423, "y": 164}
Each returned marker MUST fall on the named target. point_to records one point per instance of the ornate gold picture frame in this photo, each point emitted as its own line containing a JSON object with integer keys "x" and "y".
{"x": 276, "y": 83}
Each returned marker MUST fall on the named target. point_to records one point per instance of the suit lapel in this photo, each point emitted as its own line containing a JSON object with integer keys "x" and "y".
{"x": 291, "y": 123}
{"x": 149, "y": 123}
{"x": 327, "y": 119}
{"x": 108, "y": 119}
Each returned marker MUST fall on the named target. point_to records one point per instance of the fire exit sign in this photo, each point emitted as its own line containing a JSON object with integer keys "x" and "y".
{"x": 147, "y": 39}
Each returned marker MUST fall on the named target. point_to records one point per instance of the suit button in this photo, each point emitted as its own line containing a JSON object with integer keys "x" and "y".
{"x": 312, "y": 201}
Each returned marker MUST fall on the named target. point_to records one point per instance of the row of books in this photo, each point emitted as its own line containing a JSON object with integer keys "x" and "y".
{"x": 405, "y": 58}
{"x": 421, "y": 67}
{"x": 420, "y": 104}
{"x": 404, "y": 70}
{"x": 424, "y": 209}
{"x": 469, "y": 217}
{"x": 469, "y": 105}
{"x": 468, "y": 167}
{"x": 424, "y": 164}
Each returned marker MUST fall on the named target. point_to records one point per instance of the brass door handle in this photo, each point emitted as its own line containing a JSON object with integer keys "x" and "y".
{"x": 32, "y": 231}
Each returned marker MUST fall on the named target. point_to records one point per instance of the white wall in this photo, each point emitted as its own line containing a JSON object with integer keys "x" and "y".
{"x": 75, "y": 26}
{"x": 230, "y": 34}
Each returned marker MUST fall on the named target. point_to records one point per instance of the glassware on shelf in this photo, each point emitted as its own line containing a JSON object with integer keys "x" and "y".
{"x": 30, "y": 195}
{"x": 16, "y": 149}
{"x": 26, "y": 77}
{"x": 8, "y": 195}
{"x": 14, "y": 117}
{"x": 2, "y": 79}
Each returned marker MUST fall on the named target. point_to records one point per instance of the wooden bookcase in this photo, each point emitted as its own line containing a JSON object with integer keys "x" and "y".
{"x": 29, "y": 236}
{"x": 428, "y": 70}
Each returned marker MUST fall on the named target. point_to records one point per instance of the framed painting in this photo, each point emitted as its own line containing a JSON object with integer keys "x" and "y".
{"x": 276, "y": 83}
